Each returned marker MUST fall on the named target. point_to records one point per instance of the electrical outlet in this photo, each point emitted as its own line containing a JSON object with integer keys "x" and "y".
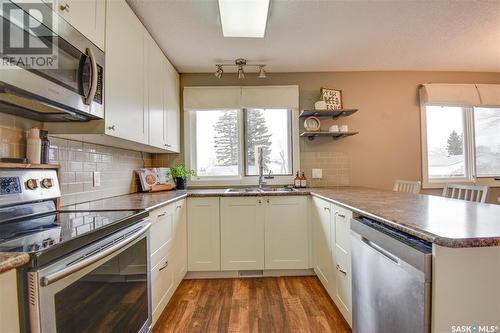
{"x": 97, "y": 178}
{"x": 317, "y": 173}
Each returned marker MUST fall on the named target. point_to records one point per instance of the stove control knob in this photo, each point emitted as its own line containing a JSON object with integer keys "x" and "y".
{"x": 47, "y": 183}
{"x": 31, "y": 184}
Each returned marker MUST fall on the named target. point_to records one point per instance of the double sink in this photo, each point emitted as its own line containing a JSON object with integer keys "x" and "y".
{"x": 261, "y": 190}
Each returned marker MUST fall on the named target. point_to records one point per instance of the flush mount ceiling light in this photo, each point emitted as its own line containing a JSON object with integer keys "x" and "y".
{"x": 243, "y": 18}
{"x": 240, "y": 63}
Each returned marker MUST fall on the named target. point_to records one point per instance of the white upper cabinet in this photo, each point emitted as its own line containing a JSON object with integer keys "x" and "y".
{"x": 172, "y": 109}
{"x": 156, "y": 87}
{"x": 125, "y": 75}
{"x": 242, "y": 233}
{"x": 87, "y": 16}
{"x": 287, "y": 233}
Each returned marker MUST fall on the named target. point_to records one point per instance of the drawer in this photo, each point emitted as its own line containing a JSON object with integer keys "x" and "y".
{"x": 162, "y": 282}
{"x": 342, "y": 228}
{"x": 161, "y": 232}
{"x": 343, "y": 281}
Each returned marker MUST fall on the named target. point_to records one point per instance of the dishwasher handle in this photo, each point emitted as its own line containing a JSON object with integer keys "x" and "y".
{"x": 380, "y": 250}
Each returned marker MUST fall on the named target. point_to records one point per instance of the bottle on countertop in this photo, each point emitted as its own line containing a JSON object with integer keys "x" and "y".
{"x": 296, "y": 182}
{"x": 303, "y": 180}
{"x": 34, "y": 146}
{"x": 44, "y": 137}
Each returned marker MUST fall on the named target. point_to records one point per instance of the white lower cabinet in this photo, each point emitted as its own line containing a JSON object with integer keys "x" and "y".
{"x": 322, "y": 256}
{"x": 168, "y": 247}
{"x": 242, "y": 233}
{"x": 203, "y": 225}
{"x": 9, "y": 315}
{"x": 332, "y": 252}
{"x": 286, "y": 232}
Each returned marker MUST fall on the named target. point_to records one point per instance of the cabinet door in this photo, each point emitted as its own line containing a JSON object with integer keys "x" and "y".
{"x": 341, "y": 251}
{"x": 203, "y": 234}
{"x": 125, "y": 78}
{"x": 242, "y": 233}
{"x": 180, "y": 240}
{"x": 172, "y": 109}
{"x": 322, "y": 259}
{"x": 287, "y": 233}
{"x": 156, "y": 87}
{"x": 87, "y": 16}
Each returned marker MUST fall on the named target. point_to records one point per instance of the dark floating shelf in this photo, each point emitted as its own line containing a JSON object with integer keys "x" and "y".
{"x": 333, "y": 135}
{"x": 328, "y": 113}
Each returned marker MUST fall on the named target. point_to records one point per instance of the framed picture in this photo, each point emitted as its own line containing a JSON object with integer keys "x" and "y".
{"x": 148, "y": 177}
{"x": 332, "y": 98}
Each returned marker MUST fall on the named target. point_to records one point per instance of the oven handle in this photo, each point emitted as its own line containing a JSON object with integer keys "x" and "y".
{"x": 54, "y": 277}
{"x": 93, "y": 84}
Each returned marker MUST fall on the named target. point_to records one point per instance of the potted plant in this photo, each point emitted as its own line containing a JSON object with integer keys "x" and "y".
{"x": 180, "y": 174}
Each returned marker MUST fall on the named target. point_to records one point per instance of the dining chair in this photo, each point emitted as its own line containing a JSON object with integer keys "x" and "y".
{"x": 407, "y": 186}
{"x": 475, "y": 193}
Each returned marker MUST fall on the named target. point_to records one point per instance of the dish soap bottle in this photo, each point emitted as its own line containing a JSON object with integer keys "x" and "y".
{"x": 303, "y": 180}
{"x": 297, "y": 180}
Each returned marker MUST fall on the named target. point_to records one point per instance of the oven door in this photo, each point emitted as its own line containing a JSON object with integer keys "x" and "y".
{"x": 103, "y": 288}
{"x": 65, "y": 84}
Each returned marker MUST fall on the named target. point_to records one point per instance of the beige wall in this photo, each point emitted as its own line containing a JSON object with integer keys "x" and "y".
{"x": 78, "y": 160}
{"x": 388, "y": 145}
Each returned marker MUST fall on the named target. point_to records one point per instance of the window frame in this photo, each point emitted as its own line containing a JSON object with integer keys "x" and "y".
{"x": 470, "y": 176}
{"x": 242, "y": 178}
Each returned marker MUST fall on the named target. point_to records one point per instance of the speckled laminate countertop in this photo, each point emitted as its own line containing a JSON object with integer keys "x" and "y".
{"x": 442, "y": 221}
{"x": 445, "y": 222}
{"x": 11, "y": 260}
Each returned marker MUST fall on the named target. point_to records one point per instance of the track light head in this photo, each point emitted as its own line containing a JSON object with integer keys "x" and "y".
{"x": 219, "y": 72}
{"x": 262, "y": 72}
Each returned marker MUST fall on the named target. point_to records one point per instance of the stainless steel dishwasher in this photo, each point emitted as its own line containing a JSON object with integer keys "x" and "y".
{"x": 391, "y": 280}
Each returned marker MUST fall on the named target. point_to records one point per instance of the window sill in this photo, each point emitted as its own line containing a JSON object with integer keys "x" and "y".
{"x": 486, "y": 181}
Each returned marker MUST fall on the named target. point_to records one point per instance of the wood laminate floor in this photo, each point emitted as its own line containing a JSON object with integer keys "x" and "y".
{"x": 284, "y": 304}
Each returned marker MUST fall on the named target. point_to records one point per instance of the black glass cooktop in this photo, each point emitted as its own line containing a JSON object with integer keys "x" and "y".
{"x": 41, "y": 233}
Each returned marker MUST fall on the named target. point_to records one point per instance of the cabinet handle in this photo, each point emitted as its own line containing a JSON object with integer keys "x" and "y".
{"x": 341, "y": 270}
{"x": 267, "y": 200}
{"x": 326, "y": 208}
{"x": 178, "y": 206}
{"x": 64, "y": 7}
{"x": 341, "y": 215}
{"x": 260, "y": 201}
{"x": 162, "y": 214}
{"x": 112, "y": 127}
{"x": 164, "y": 266}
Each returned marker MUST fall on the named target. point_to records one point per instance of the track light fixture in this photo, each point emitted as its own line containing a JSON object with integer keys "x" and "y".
{"x": 240, "y": 63}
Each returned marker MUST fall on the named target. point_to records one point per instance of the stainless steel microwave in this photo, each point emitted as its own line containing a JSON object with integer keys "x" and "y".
{"x": 49, "y": 71}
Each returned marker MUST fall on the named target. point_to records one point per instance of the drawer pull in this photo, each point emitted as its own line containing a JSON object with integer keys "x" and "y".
{"x": 326, "y": 208}
{"x": 162, "y": 214}
{"x": 260, "y": 201}
{"x": 164, "y": 266}
{"x": 341, "y": 270}
{"x": 341, "y": 215}
{"x": 64, "y": 7}
{"x": 178, "y": 206}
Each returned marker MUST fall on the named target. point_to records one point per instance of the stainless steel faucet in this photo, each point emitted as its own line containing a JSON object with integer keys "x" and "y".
{"x": 261, "y": 169}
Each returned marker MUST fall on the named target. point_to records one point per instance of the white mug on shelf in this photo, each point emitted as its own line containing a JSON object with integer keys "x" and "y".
{"x": 344, "y": 129}
{"x": 333, "y": 129}
{"x": 320, "y": 105}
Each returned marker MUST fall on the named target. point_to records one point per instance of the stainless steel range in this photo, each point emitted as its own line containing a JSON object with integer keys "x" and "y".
{"x": 89, "y": 271}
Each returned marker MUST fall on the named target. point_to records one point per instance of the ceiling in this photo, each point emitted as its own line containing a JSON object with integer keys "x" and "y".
{"x": 331, "y": 35}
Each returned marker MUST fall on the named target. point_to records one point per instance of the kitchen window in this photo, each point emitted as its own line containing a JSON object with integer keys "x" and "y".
{"x": 460, "y": 143}
{"x": 226, "y": 126}
{"x": 224, "y": 144}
